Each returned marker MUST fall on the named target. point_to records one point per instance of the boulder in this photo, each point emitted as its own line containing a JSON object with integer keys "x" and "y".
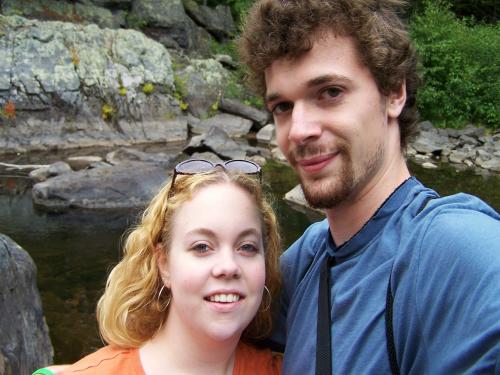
{"x": 266, "y": 134}
{"x": 234, "y": 126}
{"x": 200, "y": 84}
{"x": 82, "y": 162}
{"x": 126, "y": 185}
{"x": 24, "y": 343}
{"x": 77, "y": 12}
{"x": 125, "y": 155}
{"x": 296, "y": 198}
{"x": 217, "y": 141}
{"x": 218, "y": 21}
{"x": 429, "y": 141}
{"x": 240, "y": 109}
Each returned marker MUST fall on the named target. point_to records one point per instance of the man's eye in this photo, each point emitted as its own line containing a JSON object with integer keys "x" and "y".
{"x": 281, "y": 108}
{"x": 330, "y": 93}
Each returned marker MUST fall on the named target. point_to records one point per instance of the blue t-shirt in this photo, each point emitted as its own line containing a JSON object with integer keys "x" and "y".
{"x": 445, "y": 267}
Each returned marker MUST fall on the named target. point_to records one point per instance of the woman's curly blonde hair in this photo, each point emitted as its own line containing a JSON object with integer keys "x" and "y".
{"x": 129, "y": 313}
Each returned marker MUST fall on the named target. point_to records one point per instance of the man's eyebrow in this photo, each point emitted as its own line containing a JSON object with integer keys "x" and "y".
{"x": 327, "y": 78}
{"x": 316, "y": 81}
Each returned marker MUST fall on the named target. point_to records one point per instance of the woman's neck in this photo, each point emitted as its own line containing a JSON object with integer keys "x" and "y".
{"x": 175, "y": 351}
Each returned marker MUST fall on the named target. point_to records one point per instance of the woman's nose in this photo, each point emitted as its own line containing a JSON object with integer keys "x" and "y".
{"x": 226, "y": 265}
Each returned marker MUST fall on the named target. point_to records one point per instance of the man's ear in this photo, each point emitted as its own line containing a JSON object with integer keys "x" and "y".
{"x": 162, "y": 264}
{"x": 396, "y": 101}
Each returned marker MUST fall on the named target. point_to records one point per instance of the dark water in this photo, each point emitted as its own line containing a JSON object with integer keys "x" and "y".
{"x": 74, "y": 251}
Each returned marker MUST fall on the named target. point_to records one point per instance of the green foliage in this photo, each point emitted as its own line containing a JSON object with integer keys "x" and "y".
{"x": 148, "y": 88}
{"x": 482, "y": 10}
{"x": 107, "y": 112}
{"x": 180, "y": 92}
{"x": 226, "y": 48}
{"x": 460, "y": 66}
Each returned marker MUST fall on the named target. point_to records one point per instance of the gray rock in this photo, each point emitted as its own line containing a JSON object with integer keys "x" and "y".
{"x": 266, "y": 134}
{"x": 457, "y": 156}
{"x": 237, "y": 108}
{"x": 165, "y": 14}
{"x": 234, "y": 126}
{"x": 473, "y": 131}
{"x": 77, "y": 86}
{"x": 125, "y": 155}
{"x": 426, "y": 126}
{"x": 210, "y": 156}
{"x": 201, "y": 84}
{"x": 226, "y": 60}
{"x": 278, "y": 155}
{"x": 82, "y": 162}
{"x": 217, "y": 141}
{"x": 77, "y": 12}
{"x": 429, "y": 165}
{"x": 296, "y": 198}
{"x": 218, "y": 21}
{"x": 468, "y": 140}
{"x": 55, "y": 169}
{"x": 40, "y": 174}
{"x": 123, "y": 186}
{"x": 492, "y": 164}
{"x": 59, "y": 168}
{"x": 428, "y": 142}
{"x": 24, "y": 343}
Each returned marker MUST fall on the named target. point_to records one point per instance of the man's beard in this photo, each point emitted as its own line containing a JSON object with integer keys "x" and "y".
{"x": 331, "y": 190}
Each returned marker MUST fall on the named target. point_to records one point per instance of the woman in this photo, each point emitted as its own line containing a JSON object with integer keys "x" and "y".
{"x": 195, "y": 285}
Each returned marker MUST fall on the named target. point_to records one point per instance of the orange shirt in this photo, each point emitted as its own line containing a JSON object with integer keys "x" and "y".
{"x": 249, "y": 361}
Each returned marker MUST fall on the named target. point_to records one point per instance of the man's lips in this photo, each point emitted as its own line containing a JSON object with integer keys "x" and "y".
{"x": 316, "y": 163}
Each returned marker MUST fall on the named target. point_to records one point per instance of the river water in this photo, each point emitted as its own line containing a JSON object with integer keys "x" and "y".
{"x": 75, "y": 250}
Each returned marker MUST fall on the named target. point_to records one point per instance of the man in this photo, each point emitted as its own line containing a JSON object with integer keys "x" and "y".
{"x": 339, "y": 77}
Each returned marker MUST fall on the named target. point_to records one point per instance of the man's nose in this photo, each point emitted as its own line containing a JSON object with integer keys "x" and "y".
{"x": 304, "y": 126}
{"x": 226, "y": 265}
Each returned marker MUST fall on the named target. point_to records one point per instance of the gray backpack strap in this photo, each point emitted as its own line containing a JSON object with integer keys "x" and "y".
{"x": 389, "y": 333}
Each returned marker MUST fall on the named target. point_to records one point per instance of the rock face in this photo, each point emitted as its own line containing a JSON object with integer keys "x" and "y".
{"x": 24, "y": 343}
{"x": 68, "y": 85}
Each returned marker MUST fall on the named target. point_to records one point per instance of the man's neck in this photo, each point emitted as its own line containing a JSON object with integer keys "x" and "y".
{"x": 347, "y": 218}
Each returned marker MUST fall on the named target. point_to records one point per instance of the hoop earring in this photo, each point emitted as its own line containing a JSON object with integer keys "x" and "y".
{"x": 270, "y": 299}
{"x": 158, "y": 299}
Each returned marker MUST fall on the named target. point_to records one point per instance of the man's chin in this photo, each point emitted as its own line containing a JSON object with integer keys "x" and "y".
{"x": 325, "y": 194}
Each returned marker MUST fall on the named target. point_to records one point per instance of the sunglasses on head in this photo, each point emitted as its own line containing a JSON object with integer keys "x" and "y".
{"x": 195, "y": 166}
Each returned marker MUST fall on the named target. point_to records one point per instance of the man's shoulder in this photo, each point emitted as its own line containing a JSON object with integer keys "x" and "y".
{"x": 460, "y": 228}
{"x": 305, "y": 249}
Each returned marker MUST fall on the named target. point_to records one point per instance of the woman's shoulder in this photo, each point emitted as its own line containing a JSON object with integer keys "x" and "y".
{"x": 253, "y": 360}
{"x": 108, "y": 360}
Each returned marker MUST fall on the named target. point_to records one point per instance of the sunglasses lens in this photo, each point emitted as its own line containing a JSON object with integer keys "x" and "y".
{"x": 194, "y": 166}
{"x": 244, "y": 166}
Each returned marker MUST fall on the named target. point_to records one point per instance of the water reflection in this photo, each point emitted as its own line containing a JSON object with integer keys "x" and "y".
{"x": 75, "y": 250}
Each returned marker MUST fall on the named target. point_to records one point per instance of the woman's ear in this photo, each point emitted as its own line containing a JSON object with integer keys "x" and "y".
{"x": 162, "y": 263}
{"x": 396, "y": 101}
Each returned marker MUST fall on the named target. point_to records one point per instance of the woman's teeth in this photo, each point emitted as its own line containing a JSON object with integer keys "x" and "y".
{"x": 225, "y": 298}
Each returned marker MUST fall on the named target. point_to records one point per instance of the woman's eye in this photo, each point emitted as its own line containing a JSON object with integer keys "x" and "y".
{"x": 281, "y": 108}
{"x": 249, "y": 248}
{"x": 330, "y": 93}
{"x": 200, "y": 248}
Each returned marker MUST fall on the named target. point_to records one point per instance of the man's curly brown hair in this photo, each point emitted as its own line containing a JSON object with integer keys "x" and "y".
{"x": 275, "y": 29}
